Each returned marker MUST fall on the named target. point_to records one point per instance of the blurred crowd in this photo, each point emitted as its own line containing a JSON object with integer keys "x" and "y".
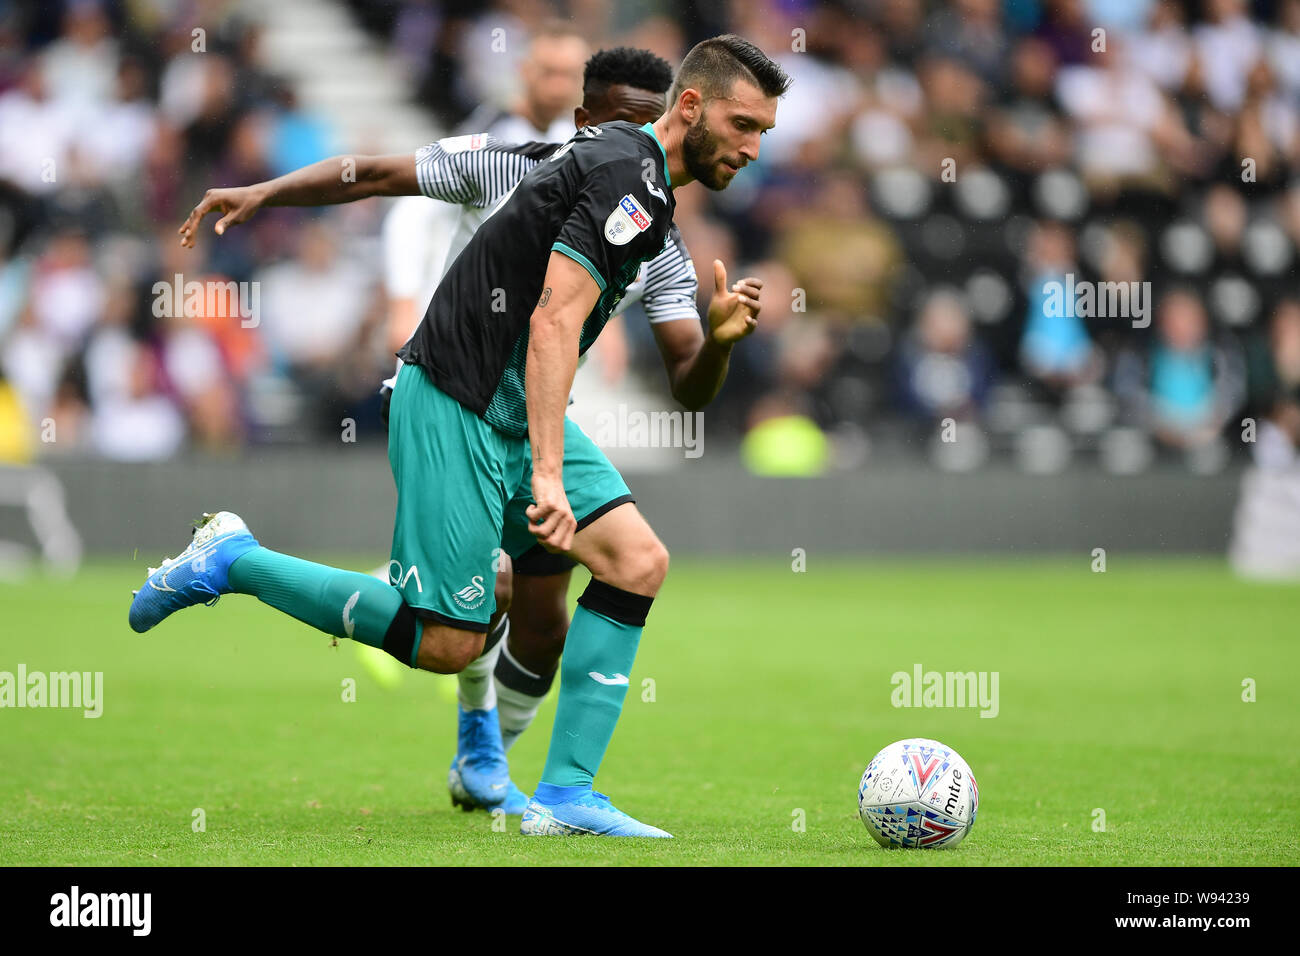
{"x": 114, "y": 119}
{"x": 938, "y": 172}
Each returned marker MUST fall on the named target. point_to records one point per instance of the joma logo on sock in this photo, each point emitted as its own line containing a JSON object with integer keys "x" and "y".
{"x": 348, "y": 623}
{"x": 946, "y": 689}
{"x": 102, "y": 909}
{"x": 70, "y": 689}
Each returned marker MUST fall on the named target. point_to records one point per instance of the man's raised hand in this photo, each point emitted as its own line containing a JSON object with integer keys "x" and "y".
{"x": 238, "y": 204}
{"x": 733, "y": 314}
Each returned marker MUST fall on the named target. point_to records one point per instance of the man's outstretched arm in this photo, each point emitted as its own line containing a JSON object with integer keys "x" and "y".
{"x": 697, "y": 363}
{"x": 569, "y": 293}
{"x": 447, "y": 170}
{"x": 338, "y": 179}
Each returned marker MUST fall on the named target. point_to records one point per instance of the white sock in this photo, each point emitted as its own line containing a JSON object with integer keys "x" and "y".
{"x": 519, "y": 694}
{"x": 475, "y": 687}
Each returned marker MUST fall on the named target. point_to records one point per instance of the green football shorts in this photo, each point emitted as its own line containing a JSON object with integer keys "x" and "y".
{"x": 462, "y": 491}
{"x": 593, "y": 487}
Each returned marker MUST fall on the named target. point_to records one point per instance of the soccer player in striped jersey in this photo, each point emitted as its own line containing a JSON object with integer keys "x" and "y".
{"x": 478, "y": 439}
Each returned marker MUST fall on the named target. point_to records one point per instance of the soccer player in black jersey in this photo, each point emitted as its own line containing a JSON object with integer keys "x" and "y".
{"x": 482, "y": 395}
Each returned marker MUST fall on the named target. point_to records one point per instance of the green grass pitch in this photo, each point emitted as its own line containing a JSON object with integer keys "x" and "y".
{"x": 1119, "y": 692}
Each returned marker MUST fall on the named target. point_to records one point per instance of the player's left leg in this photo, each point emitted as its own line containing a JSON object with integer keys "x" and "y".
{"x": 479, "y": 774}
{"x": 627, "y": 563}
{"x": 539, "y": 615}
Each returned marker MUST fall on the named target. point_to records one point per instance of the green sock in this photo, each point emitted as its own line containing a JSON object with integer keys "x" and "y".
{"x": 589, "y": 707}
{"x": 342, "y": 603}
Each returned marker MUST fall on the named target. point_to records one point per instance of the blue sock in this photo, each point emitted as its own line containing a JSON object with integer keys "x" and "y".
{"x": 550, "y": 795}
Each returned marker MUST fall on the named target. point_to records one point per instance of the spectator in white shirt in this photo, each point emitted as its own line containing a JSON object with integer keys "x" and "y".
{"x": 1227, "y": 48}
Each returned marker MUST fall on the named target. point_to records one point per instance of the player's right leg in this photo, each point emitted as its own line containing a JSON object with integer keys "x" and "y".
{"x": 452, "y": 472}
{"x": 223, "y": 557}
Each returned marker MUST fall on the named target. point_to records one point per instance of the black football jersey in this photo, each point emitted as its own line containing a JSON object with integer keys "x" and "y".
{"x": 605, "y": 200}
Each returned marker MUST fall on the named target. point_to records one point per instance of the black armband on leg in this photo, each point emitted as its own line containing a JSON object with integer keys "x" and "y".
{"x": 509, "y": 672}
{"x": 495, "y": 635}
{"x": 615, "y": 603}
{"x": 399, "y": 639}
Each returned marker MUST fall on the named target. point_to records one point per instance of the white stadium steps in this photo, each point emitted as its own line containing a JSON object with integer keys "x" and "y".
{"x": 342, "y": 74}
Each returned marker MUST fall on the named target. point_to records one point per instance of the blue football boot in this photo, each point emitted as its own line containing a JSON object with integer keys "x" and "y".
{"x": 588, "y": 814}
{"x": 198, "y": 575}
{"x": 479, "y": 776}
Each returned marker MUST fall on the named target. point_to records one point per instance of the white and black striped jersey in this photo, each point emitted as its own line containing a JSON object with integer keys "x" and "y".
{"x": 509, "y": 127}
{"x": 667, "y": 285}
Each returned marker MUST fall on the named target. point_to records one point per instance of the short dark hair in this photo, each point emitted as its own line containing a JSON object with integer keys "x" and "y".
{"x": 626, "y": 66}
{"x": 714, "y": 65}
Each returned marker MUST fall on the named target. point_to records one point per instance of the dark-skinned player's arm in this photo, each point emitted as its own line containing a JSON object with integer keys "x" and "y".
{"x": 338, "y": 179}
{"x": 446, "y": 172}
{"x": 697, "y": 362}
{"x": 569, "y": 293}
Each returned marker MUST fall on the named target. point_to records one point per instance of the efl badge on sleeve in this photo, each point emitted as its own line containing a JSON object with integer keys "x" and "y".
{"x": 463, "y": 144}
{"x": 627, "y": 219}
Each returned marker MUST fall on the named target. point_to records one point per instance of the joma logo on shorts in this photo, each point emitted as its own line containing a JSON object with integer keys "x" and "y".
{"x": 398, "y": 579}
